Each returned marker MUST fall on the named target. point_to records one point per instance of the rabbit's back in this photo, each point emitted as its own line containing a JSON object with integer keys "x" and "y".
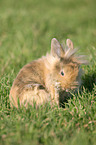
{"x": 29, "y": 82}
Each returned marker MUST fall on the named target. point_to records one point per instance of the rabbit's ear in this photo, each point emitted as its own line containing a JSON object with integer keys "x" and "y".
{"x": 69, "y": 44}
{"x": 56, "y": 48}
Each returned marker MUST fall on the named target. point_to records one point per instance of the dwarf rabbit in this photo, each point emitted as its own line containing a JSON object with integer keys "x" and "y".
{"x": 43, "y": 79}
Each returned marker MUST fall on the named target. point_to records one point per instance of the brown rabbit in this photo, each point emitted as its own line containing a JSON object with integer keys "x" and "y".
{"x": 42, "y": 80}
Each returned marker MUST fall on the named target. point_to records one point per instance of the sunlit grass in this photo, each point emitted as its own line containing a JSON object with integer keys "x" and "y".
{"x": 26, "y": 30}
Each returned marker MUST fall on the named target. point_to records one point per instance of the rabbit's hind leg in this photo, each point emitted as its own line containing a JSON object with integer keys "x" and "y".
{"x": 34, "y": 94}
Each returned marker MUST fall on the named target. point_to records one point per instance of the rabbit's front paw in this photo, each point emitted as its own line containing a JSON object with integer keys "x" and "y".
{"x": 54, "y": 95}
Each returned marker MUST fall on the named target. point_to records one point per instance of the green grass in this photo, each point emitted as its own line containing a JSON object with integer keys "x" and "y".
{"x": 26, "y": 29}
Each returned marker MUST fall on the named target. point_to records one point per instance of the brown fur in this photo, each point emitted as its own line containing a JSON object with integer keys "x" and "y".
{"x": 41, "y": 81}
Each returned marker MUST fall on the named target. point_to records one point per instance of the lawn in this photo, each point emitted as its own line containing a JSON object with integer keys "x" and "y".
{"x": 26, "y": 30}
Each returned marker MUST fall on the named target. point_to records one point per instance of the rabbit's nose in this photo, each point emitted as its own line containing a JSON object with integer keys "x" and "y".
{"x": 67, "y": 90}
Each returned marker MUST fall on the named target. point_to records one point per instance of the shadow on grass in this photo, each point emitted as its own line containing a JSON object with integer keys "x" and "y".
{"x": 89, "y": 80}
{"x": 63, "y": 98}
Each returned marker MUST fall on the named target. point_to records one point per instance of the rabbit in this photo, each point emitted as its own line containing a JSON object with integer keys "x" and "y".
{"x": 42, "y": 80}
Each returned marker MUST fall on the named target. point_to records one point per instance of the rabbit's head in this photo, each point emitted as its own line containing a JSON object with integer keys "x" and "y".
{"x": 64, "y": 66}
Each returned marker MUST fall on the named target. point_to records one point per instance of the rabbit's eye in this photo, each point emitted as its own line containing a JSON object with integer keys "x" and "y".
{"x": 62, "y": 73}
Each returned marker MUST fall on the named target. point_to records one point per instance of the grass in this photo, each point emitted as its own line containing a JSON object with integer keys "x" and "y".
{"x": 26, "y": 29}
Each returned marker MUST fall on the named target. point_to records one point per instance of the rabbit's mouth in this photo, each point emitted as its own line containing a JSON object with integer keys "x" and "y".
{"x": 66, "y": 90}
{"x": 68, "y": 87}
{"x": 71, "y": 87}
